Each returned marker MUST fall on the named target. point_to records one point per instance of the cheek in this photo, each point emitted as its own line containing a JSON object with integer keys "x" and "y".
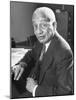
{"x": 49, "y": 30}
{"x": 44, "y": 31}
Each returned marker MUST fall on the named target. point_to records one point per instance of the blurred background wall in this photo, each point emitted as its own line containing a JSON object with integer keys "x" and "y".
{"x": 21, "y": 28}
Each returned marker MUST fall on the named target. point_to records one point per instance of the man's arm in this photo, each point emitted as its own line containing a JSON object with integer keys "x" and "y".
{"x": 65, "y": 75}
{"x": 18, "y": 69}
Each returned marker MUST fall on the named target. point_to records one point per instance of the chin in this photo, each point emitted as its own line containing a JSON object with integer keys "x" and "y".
{"x": 42, "y": 41}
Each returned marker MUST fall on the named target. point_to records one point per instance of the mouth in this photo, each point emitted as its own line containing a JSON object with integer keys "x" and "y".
{"x": 41, "y": 37}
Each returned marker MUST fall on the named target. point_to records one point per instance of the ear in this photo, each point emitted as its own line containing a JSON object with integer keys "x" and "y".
{"x": 55, "y": 25}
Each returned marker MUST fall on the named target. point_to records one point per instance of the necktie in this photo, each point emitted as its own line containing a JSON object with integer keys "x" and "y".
{"x": 36, "y": 73}
{"x": 42, "y": 53}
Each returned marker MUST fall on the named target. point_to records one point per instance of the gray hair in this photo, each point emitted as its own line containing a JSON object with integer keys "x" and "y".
{"x": 44, "y": 12}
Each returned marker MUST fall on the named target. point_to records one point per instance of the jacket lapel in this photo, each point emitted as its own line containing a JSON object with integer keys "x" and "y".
{"x": 47, "y": 60}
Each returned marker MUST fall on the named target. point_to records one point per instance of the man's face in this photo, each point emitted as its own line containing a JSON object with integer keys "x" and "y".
{"x": 43, "y": 29}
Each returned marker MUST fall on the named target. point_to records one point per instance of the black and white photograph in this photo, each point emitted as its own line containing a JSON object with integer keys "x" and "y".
{"x": 41, "y": 50}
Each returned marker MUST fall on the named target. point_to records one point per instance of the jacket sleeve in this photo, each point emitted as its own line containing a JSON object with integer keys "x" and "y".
{"x": 64, "y": 74}
{"x": 30, "y": 56}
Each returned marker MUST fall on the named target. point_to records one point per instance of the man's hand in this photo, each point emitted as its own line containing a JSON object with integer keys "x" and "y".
{"x": 17, "y": 70}
{"x": 31, "y": 83}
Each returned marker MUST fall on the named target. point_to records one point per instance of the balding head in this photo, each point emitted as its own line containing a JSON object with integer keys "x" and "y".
{"x": 44, "y": 23}
{"x": 45, "y": 13}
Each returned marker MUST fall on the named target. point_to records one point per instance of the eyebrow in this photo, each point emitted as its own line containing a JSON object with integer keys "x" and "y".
{"x": 47, "y": 19}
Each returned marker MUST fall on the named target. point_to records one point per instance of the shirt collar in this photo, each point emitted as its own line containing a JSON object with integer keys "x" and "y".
{"x": 47, "y": 45}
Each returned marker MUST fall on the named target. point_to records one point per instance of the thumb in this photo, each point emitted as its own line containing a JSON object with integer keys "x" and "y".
{"x": 20, "y": 73}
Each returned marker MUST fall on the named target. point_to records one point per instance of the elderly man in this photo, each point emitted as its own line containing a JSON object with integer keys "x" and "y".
{"x": 52, "y": 73}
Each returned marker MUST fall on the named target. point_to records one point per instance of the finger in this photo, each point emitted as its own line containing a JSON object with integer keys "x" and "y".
{"x": 28, "y": 86}
{"x": 20, "y": 73}
{"x": 16, "y": 72}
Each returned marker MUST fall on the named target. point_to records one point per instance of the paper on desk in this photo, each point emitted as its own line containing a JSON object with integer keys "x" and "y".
{"x": 17, "y": 54}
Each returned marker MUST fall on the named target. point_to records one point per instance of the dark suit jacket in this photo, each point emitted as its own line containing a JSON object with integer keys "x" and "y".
{"x": 56, "y": 70}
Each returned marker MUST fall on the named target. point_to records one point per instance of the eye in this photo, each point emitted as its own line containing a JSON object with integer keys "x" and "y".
{"x": 44, "y": 25}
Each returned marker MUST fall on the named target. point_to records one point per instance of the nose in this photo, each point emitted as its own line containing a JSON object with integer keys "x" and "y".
{"x": 39, "y": 30}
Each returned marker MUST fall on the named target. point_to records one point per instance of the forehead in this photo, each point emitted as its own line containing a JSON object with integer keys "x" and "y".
{"x": 40, "y": 19}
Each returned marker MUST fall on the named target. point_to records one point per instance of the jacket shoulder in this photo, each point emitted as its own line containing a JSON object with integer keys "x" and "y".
{"x": 62, "y": 48}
